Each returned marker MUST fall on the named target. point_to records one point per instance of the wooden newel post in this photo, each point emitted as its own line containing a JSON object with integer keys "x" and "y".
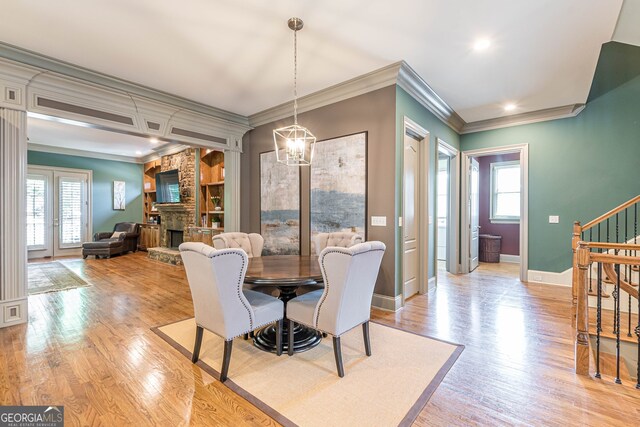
{"x": 575, "y": 238}
{"x": 582, "y": 311}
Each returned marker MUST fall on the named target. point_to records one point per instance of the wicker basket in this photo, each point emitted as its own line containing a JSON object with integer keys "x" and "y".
{"x": 490, "y": 248}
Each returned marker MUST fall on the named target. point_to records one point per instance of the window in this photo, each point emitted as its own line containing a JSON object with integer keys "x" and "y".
{"x": 505, "y": 192}
{"x": 72, "y": 212}
{"x": 36, "y": 211}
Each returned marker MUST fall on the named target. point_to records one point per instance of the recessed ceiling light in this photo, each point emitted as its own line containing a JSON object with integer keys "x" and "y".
{"x": 481, "y": 44}
{"x": 510, "y": 106}
{"x": 154, "y": 140}
{"x": 138, "y": 152}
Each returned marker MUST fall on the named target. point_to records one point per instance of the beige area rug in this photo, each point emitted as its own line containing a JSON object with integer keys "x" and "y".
{"x": 52, "y": 277}
{"x": 389, "y": 388}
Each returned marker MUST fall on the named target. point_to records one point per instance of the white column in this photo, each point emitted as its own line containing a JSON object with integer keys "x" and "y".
{"x": 13, "y": 248}
{"x": 231, "y": 191}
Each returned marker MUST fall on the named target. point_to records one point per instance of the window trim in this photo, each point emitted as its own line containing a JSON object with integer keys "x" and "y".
{"x": 501, "y": 219}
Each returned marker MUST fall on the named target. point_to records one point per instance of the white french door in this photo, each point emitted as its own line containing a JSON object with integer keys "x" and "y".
{"x": 58, "y": 211}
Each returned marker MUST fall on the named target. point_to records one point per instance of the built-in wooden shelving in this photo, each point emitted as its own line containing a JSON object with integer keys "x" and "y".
{"x": 150, "y": 215}
{"x": 211, "y": 185}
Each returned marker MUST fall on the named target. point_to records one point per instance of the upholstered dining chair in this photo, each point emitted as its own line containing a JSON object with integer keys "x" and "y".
{"x": 220, "y": 304}
{"x": 251, "y": 243}
{"x": 340, "y": 239}
{"x": 345, "y": 302}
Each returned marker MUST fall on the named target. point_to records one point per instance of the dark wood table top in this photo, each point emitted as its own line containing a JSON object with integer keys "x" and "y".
{"x": 275, "y": 270}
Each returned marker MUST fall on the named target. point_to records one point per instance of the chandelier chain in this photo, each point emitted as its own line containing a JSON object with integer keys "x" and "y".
{"x": 295, "y": 77}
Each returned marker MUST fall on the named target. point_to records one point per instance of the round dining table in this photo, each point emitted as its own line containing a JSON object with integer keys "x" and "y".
{"x": 287, "y": 274}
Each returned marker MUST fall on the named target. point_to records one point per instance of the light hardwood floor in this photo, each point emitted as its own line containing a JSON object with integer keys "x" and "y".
{"x": 91, "y": 349}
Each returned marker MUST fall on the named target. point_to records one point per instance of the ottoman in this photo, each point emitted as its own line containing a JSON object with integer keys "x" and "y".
{"x": 105, "y": 247}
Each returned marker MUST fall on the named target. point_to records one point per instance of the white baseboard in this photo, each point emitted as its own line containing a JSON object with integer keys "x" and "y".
{"x": 431, "y": 283}
{"x": 510, "y": 258}
{"x": 387, "y": 303}
{"x": 13, "y": 312}
{"x": 550, "y": 278}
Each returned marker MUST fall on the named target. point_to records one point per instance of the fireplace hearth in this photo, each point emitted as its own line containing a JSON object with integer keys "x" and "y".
{"x": 176, "y": 220}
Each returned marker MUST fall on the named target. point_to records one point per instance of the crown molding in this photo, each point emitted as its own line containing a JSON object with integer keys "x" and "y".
{"x": 360, "y": 85}
{"x": 29, "y": 65}
{"x": 32, "y": 146}
{"x": 37, "y": 60}
{"x": 418, "y": 88}
{"x": 398, "y": 73}
{"x": 547, "y": 114}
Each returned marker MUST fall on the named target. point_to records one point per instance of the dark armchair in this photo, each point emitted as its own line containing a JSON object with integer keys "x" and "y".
{"x": 129, "y": 239}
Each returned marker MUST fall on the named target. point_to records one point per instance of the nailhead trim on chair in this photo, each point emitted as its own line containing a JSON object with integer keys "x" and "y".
{"x": 239, "y": 290}
{"x": 326, "y": 282}
{"x": 250, "y": 330}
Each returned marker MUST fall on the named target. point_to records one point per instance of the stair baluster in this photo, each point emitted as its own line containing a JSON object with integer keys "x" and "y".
{"x": 617, "y": 314}
{"x": 598, "y": 319}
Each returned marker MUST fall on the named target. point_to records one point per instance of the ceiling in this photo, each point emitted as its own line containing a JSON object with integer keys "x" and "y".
{"x": 72, "y": 136}
{"x": 238, "y": 55}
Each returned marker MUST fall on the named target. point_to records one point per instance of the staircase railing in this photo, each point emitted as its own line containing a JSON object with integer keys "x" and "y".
{"x": 619, "y": 225}
{"x": 606, "y": 252}
{"x": 614, "y": 266}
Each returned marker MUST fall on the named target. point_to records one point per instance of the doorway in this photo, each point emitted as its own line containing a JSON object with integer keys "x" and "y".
{"x": 58, "y": 211}
{"x": 495, "y": 225}
{"x": 447, "y": 208}
{"x": 414, "y": 207}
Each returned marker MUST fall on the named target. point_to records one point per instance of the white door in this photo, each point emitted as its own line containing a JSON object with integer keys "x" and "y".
{"x": 57, "y": 212}
{"x": 39, "y": 211}
{"x": 410, "y": 218}
{"x": 474, "y": 226}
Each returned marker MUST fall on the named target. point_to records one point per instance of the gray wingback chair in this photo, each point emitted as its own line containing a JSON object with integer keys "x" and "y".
{"x": 340, "y": 239}
{"x": 345, "y": 302}
{"x": 251, "y": 243}
{"x": 221, "y": 305}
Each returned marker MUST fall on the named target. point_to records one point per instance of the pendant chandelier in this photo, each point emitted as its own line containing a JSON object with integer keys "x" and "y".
{"x": 294, "y": 144}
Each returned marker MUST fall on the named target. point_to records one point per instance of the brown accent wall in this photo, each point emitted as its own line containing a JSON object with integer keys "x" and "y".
{"x": 373, "y": 112}
{"x": 510, "y": 233}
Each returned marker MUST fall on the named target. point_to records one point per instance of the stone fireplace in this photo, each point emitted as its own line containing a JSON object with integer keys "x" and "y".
{"x": 176, "y": 218}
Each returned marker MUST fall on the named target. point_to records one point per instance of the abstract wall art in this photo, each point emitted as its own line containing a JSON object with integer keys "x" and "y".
{"x": 339, "y": 186}
{"x": 279, "y": 206}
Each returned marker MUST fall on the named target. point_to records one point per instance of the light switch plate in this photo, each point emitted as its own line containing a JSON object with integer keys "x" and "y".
{"x": 554, "y": 219}
{"x": 378, "y": 221}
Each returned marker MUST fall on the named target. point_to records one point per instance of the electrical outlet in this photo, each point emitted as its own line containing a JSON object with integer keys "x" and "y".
{"x": 554, "y": 219}
{"x": 378, "y": 221}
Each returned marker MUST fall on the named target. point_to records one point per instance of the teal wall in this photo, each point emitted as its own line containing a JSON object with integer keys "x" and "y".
{"x": 104, "y": 173}
{"x": 580, "y": 167}
{"x": 407, "y": 106}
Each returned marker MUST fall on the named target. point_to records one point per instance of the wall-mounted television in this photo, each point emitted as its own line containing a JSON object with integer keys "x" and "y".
{"x": 168, "y": 187}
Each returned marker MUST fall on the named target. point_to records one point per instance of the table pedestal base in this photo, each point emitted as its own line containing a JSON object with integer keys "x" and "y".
{"x": 303, "y": 339}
